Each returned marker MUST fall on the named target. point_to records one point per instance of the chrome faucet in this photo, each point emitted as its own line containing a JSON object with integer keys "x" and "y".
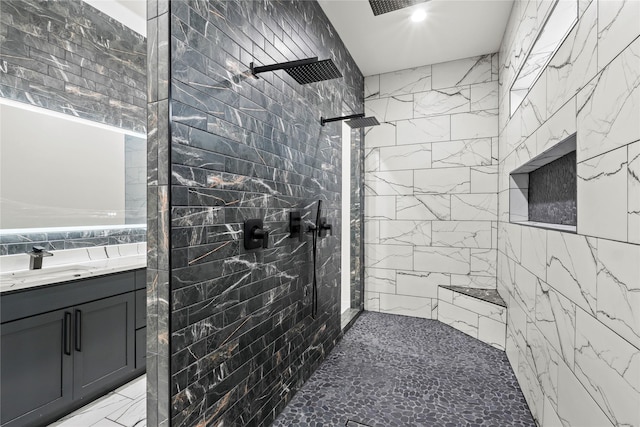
{"x": 36, "y": 254}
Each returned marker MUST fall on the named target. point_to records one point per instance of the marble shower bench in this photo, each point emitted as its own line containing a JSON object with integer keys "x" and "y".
{"x": 480, "y": 313}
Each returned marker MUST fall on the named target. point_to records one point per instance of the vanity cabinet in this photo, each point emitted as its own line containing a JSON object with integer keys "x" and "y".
{"x": 36, "y": 369}
{"x": 55, "y": 361}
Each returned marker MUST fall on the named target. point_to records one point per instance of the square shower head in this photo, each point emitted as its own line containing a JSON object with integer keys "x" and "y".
{"x": 362, "y": 122}
{"x": 314, "y": 72}
{"x": 385, "y": 6}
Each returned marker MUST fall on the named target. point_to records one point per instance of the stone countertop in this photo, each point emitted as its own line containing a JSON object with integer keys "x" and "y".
{"x": 69, "y": 265}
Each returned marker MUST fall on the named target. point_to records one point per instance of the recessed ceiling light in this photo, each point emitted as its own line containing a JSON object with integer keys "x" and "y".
{"x": 419, "y": 15}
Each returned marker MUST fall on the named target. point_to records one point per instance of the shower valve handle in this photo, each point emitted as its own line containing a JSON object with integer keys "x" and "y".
{"x": 324, "y": 227}
{"x": 261, "y": 234}
{"x": 255, "y": 236}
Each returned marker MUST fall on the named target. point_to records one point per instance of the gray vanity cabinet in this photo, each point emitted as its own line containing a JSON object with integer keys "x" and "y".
{"x": 104, "y": 343}
{"x": 66, "y": 344}
{"x": 36, "y": 366}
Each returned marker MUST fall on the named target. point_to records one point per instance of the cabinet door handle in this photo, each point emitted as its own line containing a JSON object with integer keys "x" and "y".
{"x": 78, "y": 331}
{"x": 67, "y": 333}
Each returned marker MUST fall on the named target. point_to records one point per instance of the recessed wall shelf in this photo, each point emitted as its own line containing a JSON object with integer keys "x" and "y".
{"x": 542, "y": 192}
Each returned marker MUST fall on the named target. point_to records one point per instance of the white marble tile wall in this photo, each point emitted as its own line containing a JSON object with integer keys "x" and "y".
{"x": 573, "y": 332}
{"x": 479, "y": 319}
{"x": 431, "y": 180}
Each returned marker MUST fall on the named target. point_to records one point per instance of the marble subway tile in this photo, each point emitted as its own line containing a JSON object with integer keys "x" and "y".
{"x": 574, "y": 64}
{"x": 550, "y": 416}
{"x": 609, "y": 106}
{"x": 389, "y": 256}
{"x": 609, "y": 369}
{"x": 443, "y": 101}
{"x": 617, "y": 27}
{"x": 428, "y": 129}
{"x": 405, "y": 305}
{"x": 534, "y": 251}
{"x": 560, "y": 126}
{"x": 484, "y": 179}
{"x": 372, "y": 87}
{"x": 380, "y": 207}
{"x": 380, "y": 136}
{"x": 544, "y": 361}
{"x": 372, "y": 160}
{"x": 472, "y": 281}
{"x": 400, "y": 232}
{"x": 524, "y": 291}
{"x": 618, "y": 284}
{"x": 484, "y": 262}
{"x": 555, "y": 317}
{"x": 423, "y": 207}
{"x": 474, "y": 207}
{"x": 480, "y": 307}
{"x": 415, "y": 156}
{"x": 380, "y": 280}
{"x": 492, "y": 332}
{"x": 389, "y": 183}
{"x": 477, "y": 124}
{"x": 404, "y": 82}
{"x": 371, "y": 301}
{"x": 633, "y": 192}
{"x": 468, "y": 152}
{"x": 390, "y": 109}
{"x": 445, "y": 295}
{"x": 372, "y": 231}
{"x": 572, "y": 267}
{"x": 465, "y": 234}
{"x": 511, "y": 242}
{"x": 459, "y": 318}
{"x": 484, "y": 96}
{"x": 602, "y": 195}
{"x": 461, "y": 72}
{"x": 442, "y": 260}
{"x": 575, "y": 406}
{"x": 441, "y": 181}
{"x": 531, "y": 388}
{"x": 420, "y": 284}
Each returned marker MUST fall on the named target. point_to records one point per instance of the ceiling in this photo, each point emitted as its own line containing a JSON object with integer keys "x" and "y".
{"x": 454, "y": 29}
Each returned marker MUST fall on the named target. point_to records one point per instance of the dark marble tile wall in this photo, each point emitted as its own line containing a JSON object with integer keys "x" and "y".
{"x": 69, "y": 57}
{"x": 242, "y": 336}
{"x": 158, "y": 221}
{"x": 357, "y": 219}
{"x": 552, "y": 192}
{"x": 17, "y": 243}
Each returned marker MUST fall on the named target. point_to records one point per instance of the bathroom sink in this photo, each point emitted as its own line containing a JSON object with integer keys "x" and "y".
{"x": 62, "y": 269}
{"x": 17, "y": 279}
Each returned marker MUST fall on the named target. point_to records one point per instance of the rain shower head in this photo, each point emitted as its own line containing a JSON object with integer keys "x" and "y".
{"x": 385, "y": 6}
{"x": 303, "y": 71}
{"x": 354, "y": 120}
{"x": 363, "y": 122}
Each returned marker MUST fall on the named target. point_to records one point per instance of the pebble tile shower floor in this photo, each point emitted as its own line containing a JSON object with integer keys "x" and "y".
{"x": 393, "y": 370}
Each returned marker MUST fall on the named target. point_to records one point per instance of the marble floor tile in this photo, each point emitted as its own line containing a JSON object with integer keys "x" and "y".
{"x": 124, "y": 407}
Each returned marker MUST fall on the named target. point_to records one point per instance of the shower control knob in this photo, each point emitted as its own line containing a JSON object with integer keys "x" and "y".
{"x": 255, "y": 236}
{"x": 324, "y": 227}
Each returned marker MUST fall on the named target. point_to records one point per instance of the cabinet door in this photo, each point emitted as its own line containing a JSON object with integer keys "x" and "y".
{"x": 36, "y": 367}
{"x": 104, "y": 335}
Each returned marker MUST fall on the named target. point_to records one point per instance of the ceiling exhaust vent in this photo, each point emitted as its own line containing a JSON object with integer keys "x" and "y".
{"x": 385, "y": 6}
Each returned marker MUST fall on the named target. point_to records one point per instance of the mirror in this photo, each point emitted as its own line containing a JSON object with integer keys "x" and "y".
{"x": 60, "y": 171}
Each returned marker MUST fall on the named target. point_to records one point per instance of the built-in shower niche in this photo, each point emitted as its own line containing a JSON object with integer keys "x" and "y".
{"x": 542, "y": 192}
